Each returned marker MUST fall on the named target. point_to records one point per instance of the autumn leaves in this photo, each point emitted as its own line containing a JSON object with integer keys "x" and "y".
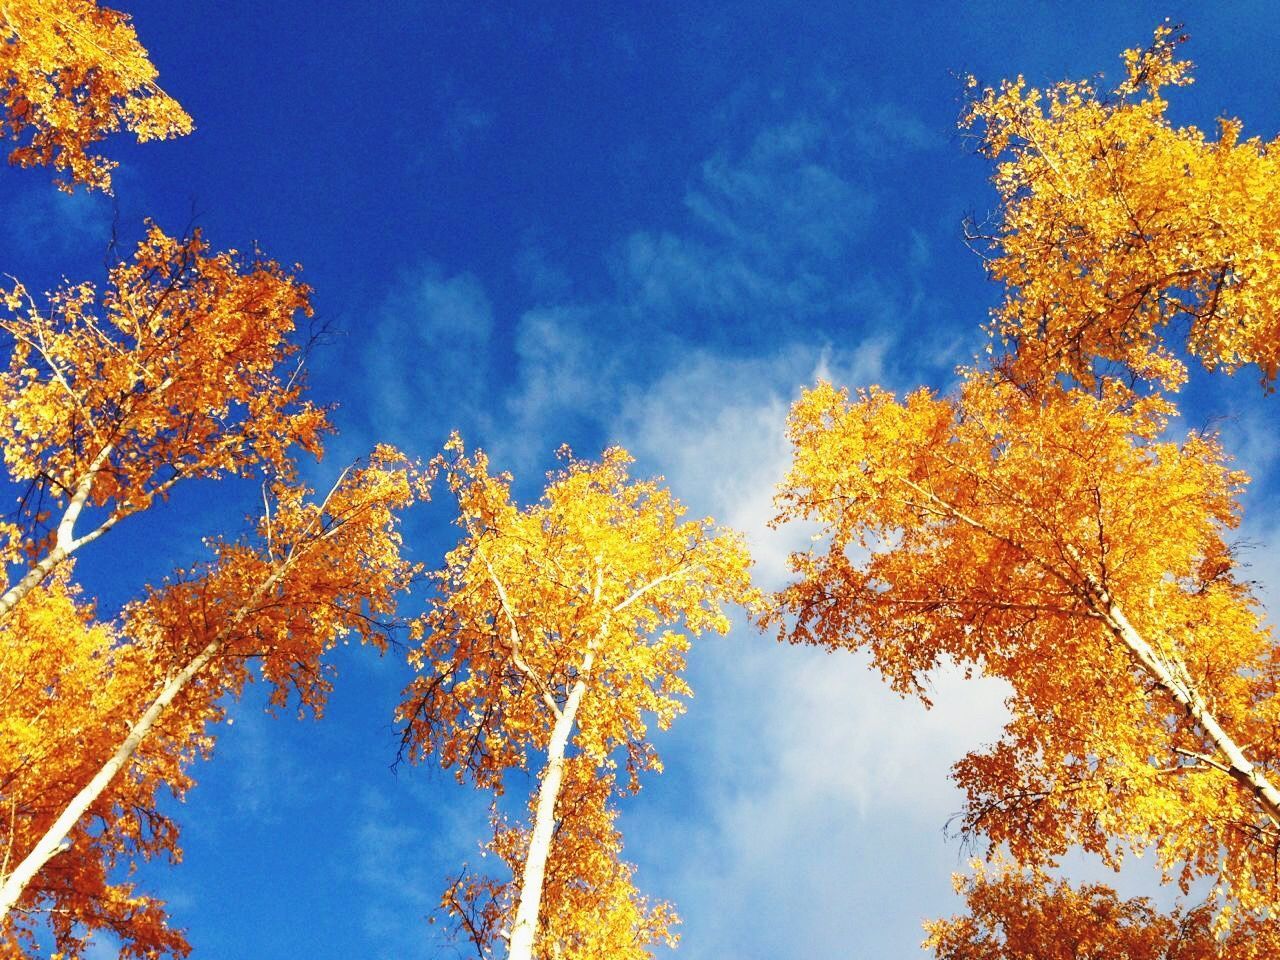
{"x": 74, "y": 72}
{"x": 563, "y": 627}
{"x": 1044, "y": 523}
{"x": 1115, "y": 225}
{"x": 182, "y": 369}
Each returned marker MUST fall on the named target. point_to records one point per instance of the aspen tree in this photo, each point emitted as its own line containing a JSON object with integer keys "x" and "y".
{"x": 1058, "y": 540}
{"x": 95, "y": 729}
{"x": 558, "y": 637}
{"x": 185, "y": 367}
{"x": 1043, "y": 525}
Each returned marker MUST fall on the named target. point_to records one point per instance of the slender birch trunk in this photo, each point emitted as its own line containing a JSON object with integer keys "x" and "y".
{"x": 65, "y": 541}
{"x": 1184, "y": 692}
{"x": 1172, "y": 678}
{"x": 520, "y": 946}
{"x": 54, "y": 840}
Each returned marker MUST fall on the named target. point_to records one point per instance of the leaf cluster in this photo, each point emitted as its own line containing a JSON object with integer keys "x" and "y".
{"x": 71, "y": 73}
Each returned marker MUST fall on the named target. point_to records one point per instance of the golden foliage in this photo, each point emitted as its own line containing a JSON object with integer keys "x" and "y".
{"x": 71, "y": 688}
{"x": 1016, "y": 914}
{"x": 1115, "y": 224}
{"x": 1055, "y": 540}
{"x": 178, "y": 370}
{"x": 564, "y": 623}
{"x": 313, "y": 573}
{"x": 602, "y": 565}
{"x": 72, "y": 73}
{"x": 591, "y": 909}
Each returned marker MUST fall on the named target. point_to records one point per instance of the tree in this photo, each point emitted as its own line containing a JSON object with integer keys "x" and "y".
{"x": 1055, "y": 539}
{"x": 95, "y": 729}
{"x": 564, "y": 624}
{"x": 1041, "y": 526}
{"x": 185, "y": 367}
{"x": 590, "y": 909}
{"x": 1019, "y": 915}
{"x": 179, "y": 370}
{"x": 72, "y": 73}
{"x": 67, "y": 679}
{"x": 1115, "y": 224}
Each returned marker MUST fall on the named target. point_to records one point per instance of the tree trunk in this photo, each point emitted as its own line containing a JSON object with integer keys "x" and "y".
{"x": 65, "y": 541}
{"x": 1183, "y": 691}
{"x": 54, "y": 840}
{"x": 520, "y": 946}
{"x": 1238, "y": 766}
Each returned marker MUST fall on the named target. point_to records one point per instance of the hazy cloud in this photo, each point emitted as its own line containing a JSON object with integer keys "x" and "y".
{"x": 429, "y": 353}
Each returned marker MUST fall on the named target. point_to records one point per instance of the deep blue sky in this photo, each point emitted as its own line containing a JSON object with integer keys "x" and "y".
{"x": 643, "y": 223}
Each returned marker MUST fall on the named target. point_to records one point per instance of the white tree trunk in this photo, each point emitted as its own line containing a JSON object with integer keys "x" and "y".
{"x": 1238, "y": 765}
{"x": 55, "y": 838}
{"x": 523, "y": 931}
{"x": 65, "y": 542}
{"x": 1172, "y": 678}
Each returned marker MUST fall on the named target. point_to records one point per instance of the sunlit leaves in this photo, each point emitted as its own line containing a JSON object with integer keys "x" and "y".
{"x": 1117, "y": 227}
{"x": 73, "y": 72}
{"x": 983, "y": 529}
{"x": 179, "y": 367}
{"x": 269, "y": 605}
{"x": 1016, "y": 914}
{"x": 567, "y": 618}
{"x": 602, "y": 563}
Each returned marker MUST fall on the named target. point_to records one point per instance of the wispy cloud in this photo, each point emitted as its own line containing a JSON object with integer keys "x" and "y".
{"x": 764, "y": 250}
{"x": 395, "y": 861}
{"x": 714, "y": 426}
{"x": 430, "y": 353}
{"x": 52, "y": 223}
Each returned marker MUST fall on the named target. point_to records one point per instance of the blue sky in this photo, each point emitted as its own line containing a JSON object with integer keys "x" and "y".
{"x": 639, "y": 223}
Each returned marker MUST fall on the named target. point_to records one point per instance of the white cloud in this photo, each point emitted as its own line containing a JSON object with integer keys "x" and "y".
{"x": 561, "y": 366}
{"x": 715, "y": 428}
{"x": 780, "y": 199}
{"x": 822, "y": 812}
{"x": 803, "y": 799}
{"x": 398, "y": 865}
{"x": 55, "y": 223}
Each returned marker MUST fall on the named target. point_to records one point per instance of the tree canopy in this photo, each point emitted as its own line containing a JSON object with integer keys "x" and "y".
{"x": 73, "y": 72}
